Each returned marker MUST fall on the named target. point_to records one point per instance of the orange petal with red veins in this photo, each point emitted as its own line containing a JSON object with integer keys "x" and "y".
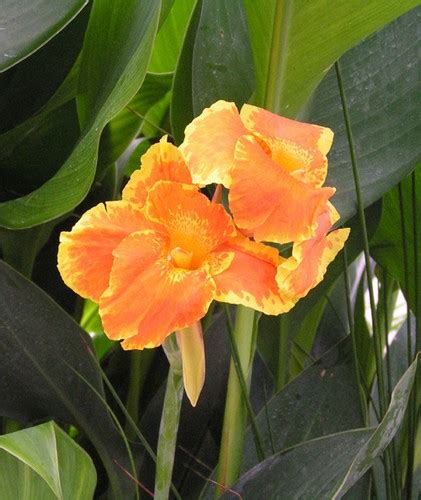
{"x": 85, "y": 253}
{"x": 209, "y": 143}
{"x": 294, "y": 145}
{"x": 251, "y": 278}
{"x": 310, "y": 259}
{"x": 271, "y": 203}
{"x": 148, "y": 297}
{"x": 162, "y": 161}
{"x": 193, "y": 223}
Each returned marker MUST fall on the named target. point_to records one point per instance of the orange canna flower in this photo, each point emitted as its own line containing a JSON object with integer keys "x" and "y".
{"x": 155, "y": 260}
{"x": 274, "y": 167}
{"x": 307, "y": 266}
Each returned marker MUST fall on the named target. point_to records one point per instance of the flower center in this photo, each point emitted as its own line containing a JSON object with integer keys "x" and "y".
{"x": 180, "y": 257}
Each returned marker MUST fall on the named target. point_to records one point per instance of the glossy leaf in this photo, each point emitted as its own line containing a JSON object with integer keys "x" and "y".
{"x": 46, "y": 367}
{"x": 43, "y": 462}
{"x": 311, "y": 37}
{"x": 116, "y": 51}
{"x": 20, "y": 38}
{"x": 322, "y": 400}
{"x": 381, "y": 84}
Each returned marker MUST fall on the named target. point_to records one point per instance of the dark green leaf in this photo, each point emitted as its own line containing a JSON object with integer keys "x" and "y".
{"x": 311, "y": 37}
{"x": 43, "y": 351}
{"x": 381, "y": 84}
{"x": 117, "y": 47}
{"x": 28, "y": 25}
{"x": 44, "y": 462}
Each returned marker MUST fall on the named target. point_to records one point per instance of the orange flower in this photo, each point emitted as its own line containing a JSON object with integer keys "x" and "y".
{"x": 155, "y": 260}
{"x": 274, "y": 167}
{"x": 307, "y": 266}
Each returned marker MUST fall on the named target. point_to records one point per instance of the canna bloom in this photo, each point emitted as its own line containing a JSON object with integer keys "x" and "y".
{"x": 274, "y": 168}
{"x": 155, "y": 260}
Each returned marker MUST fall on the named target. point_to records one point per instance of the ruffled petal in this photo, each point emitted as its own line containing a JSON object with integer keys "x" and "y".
{"x": 296, "y": 146}
{"x": 162, "y": 161}
{"x": 85, "y": 253}
{"x": 148, "y": 297}
{"x": 250, "y": 280}
{"x": 193, "y": 223}
{"x": 310, "y": 259}
{"x": 271, "y": 203}
{"x": 209, "y": 143}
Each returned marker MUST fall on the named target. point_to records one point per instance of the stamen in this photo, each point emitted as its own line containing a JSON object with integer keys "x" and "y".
{"x": 180, "y": 257}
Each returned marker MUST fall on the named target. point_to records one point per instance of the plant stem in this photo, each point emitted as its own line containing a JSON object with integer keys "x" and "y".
{"x": 235, "y": 416}
{"x": 282, "y": 366}
{"x": 377, "y": 338}
{"x": 170, "y": 418}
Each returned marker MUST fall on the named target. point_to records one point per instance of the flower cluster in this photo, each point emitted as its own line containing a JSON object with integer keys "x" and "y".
{"x": 156, "y": 259}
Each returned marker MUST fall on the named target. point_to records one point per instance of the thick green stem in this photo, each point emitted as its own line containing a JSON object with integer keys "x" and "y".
{"x": 235, "y": 417}
{"x": 169, "y": 421}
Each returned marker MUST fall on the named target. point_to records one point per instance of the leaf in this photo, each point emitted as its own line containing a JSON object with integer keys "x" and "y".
{"x": 386, "y": 246}
{"x": 309, "y": 470}
{"x": 311, "y": 37}
{"x": 381, "y": 85}
{"x": 43, "y": 357}
{"x": 170, "y": 37}
{"x": 322, "y": 400}
{"x": 332, "y": 464}
{"x": 215, "y": 62}
{"x": 114, "y": 60}
{"x": 44, "y": 462}
{"x": 384, "y": 433}
{"x": 20, "y": 38}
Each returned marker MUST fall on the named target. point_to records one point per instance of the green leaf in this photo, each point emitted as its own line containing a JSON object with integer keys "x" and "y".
{"x": 387, "y": 244}
{"x": 114, "y": 60}
{"x": 332, "y": 464}
{"x": 44, "y": 462}
{"x": 46, "y": 367}
{"x": 215, "y": 62}
{"x": 311, "y": 36}
{"x": 28, "y": 25}
{"x": 170, "y": 37}
{"x": 381, "y": 84}
{"x": 322, "y": 400}
{"x": 384, "y": 433}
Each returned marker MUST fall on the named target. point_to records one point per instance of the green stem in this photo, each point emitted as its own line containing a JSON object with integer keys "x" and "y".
{"x": 377, "y": 337}
{"x": 282, "y": 366}
{"x": 168, "y": 433}
{"x": 274, "y": 82}
{"x": 235, "y": 417}
{"x": 140, "y": 362}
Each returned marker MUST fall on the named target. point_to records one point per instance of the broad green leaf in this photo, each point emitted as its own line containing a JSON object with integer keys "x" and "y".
{"x": 114, "y": 61}
{"x": 222, "y": 58}
{"x": 387, "y": 243}
{"x": 322, "y": 400}
{"x": 170, "y": 37}
{"x": 309, "y": 38}
{"x": 310, "y": 470}
{"x": 215, "y": 62}
{"x": 44, "y": 462}
{"x": 28, "y": 25}
{"x": 384, "y": 433}
{"x": 47, "y": 366}
{"x": 381, "y": 84}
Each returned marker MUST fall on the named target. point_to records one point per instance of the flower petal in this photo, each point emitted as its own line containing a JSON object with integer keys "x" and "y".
{"x": 162, "y": 161}
{"x": 209, "y": 143}
{"x": 294, "y": 145}
{"x": 251, "y": 278}
{"x": 266, "y": 200}
{"x": 309, "y": 261}
{"x": 85, "y": 253}
{"x": 148, "y": 297}
{"x": 193, "y": 223}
